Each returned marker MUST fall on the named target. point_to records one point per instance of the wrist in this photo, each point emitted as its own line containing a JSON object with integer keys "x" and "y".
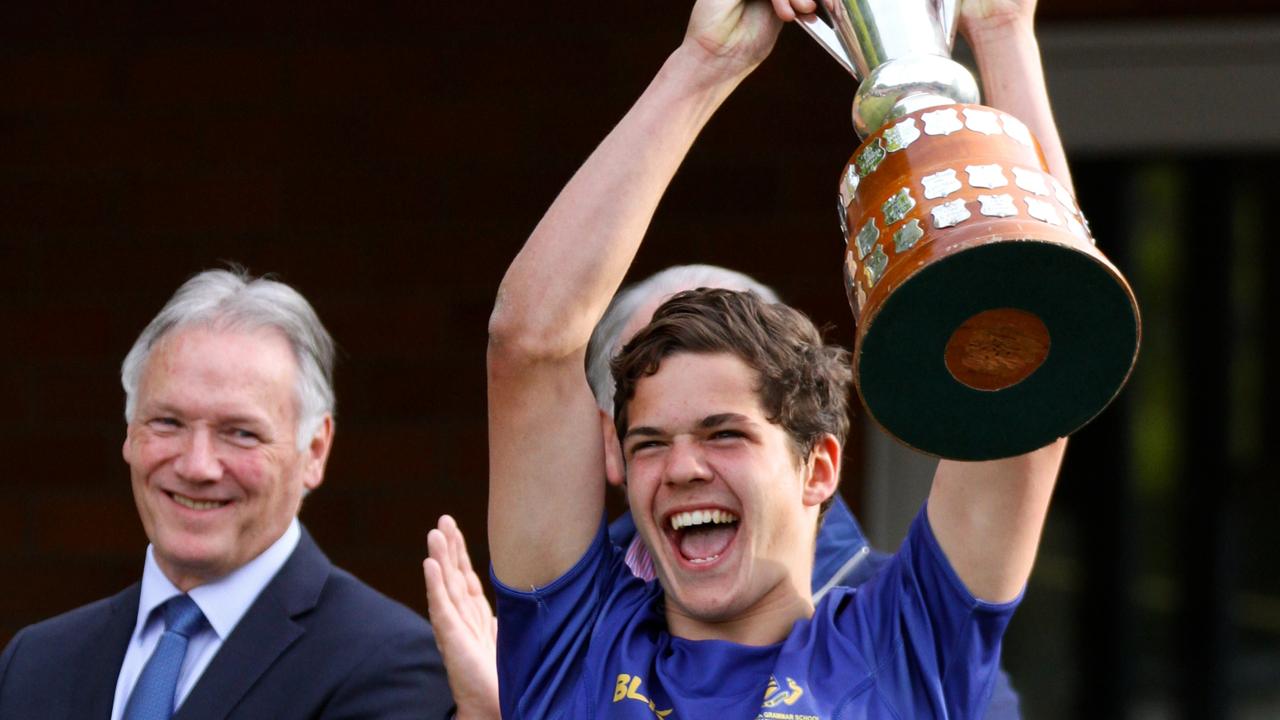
{"x": 1005, "y": 53}
{"x": 698, "y": 67}
{"x": 479, "y": 710}
{"x": 999, "y": 32}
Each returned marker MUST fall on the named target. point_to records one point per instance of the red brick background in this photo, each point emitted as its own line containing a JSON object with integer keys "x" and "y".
{"x": 387, "y": 161}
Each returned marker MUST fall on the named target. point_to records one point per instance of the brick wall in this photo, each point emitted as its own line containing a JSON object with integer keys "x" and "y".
{"x": 387, "y": 161}
{"x": 388, "y": 164}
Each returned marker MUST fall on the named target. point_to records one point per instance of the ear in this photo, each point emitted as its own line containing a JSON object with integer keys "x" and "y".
{"x": 126, "y": 450}
{"x": 823, "y": 471}
{"x": 317, "y": 452}
{"x": 615, "y": 470}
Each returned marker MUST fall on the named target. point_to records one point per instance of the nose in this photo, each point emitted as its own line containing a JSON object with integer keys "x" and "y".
{"x": 685, "y": 463}
{"x": 198, "y": 459}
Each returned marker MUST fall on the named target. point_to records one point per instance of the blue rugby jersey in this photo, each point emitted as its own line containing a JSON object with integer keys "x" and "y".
{"x": 910, "y": 643}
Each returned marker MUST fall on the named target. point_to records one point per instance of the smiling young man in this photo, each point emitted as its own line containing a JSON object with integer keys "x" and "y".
{"x": 229, "y": 403}
{"x": 729, "y": 424}
{"x": 731, "y": 413}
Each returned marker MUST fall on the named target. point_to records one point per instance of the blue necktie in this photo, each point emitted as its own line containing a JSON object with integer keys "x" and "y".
{"x": 152, "y": 697}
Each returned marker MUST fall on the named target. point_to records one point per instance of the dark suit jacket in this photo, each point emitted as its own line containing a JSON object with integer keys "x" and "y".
{"x": 317, "y": 643}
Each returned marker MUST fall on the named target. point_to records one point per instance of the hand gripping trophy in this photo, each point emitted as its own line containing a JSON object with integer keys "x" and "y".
{"x": 988, "y": 323}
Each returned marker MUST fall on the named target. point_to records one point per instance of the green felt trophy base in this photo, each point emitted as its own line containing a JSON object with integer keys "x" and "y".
{"x": 901, "y": 361}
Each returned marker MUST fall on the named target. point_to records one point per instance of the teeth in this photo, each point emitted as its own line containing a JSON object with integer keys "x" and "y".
{"x": 194, "y": 504}
{"x": 701, "y": 517}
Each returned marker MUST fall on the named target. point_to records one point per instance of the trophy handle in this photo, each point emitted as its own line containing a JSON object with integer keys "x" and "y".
{"x": 822, "y": 28}
{"x": 949, "y": 14}
{"x": 819, "y": 27}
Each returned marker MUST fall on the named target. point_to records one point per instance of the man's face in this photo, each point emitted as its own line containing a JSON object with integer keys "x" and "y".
{"x": 216, "y": 471}
{"x": 698, "y": 446}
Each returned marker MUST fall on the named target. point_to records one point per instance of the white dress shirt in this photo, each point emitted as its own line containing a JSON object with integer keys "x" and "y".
{"x": 223, "y": 602}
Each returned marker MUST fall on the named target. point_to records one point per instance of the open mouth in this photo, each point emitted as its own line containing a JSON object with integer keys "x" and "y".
{"x": 194, "y": 504}
{"x": 702, "y": 536}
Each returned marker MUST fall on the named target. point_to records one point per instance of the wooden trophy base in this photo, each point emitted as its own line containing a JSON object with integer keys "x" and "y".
{"x": 988, "y": 323}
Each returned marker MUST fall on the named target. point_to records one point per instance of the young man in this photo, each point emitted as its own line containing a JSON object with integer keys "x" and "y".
{"x": 461, "y": 615}
{"x": 725, "y": 476}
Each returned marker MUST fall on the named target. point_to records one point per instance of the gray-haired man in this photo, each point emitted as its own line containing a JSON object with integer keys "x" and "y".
{"x": 229, "y": 403}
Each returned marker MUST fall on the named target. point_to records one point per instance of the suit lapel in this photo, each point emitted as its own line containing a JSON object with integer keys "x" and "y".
{"x": 102, "y": 655}
{"x": 261, "y": 636}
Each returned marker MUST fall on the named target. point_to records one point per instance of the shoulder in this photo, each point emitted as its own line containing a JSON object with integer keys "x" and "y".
{"x": 73, "y": 623}
{"x": 371, "y": 656}
{"x": 360, "y": 606}
{"x": 64, "y": 654}
{"x": 340, "y": 610}
{"x": 376, "y": 636}
{"x": 556, "y": 635}
{"x": 85, "y": 621}
{"x": 328, "y": 599}
{"x": 600, "y": 580}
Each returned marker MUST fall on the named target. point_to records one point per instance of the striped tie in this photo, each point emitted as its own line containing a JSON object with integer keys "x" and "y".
{"x": 153, "y": 696}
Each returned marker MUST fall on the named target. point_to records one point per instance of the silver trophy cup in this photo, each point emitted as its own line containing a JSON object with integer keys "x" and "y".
{"x": 901, "y": 51}
{"x": 988, "y": 322}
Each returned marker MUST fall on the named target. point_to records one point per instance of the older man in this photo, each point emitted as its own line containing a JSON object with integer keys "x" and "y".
{"x": 229, "y": 403}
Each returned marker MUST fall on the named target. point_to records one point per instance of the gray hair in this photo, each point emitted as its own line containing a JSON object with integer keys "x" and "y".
{"x": 233, "y": 299}
{"x": 606, "y": 338}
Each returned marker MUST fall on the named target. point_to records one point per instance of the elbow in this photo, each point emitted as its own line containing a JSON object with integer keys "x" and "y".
{"x": 519, "y": 339}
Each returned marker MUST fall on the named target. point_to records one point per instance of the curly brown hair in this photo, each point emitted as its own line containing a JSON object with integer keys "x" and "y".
{"x": 804, "y": 383}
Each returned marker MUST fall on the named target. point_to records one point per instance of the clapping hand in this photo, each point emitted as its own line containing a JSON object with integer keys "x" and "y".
{"x": 465, "y": 627}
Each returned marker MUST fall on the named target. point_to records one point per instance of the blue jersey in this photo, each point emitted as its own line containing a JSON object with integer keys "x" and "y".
{"x": 912, "y": 642}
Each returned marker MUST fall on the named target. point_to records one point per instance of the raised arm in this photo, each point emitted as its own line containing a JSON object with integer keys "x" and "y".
{"x": 1002, "y": 35}
{"x": 546, "y": 449}
{"x": 988, "y": 516}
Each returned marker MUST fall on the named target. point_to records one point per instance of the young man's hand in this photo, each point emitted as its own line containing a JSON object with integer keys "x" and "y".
{"x": 737, "y": 35}
{"x": 978, "y": 18}
{"x": 465, "y": 627}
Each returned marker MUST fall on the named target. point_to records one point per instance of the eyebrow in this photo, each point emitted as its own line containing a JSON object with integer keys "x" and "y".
{"x": 643, "y": 430}
{"x": 251, "y": 420}
{"x": 709, "y": 421}
{"x": 166, "y": 409}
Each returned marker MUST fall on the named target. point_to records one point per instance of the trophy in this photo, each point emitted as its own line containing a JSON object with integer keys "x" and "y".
{"x": 988, "y": 323}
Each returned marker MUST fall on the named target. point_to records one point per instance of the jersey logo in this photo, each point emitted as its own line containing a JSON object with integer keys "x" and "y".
{"x": 628, "y": 688}
{"x": 774, "y": 695}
